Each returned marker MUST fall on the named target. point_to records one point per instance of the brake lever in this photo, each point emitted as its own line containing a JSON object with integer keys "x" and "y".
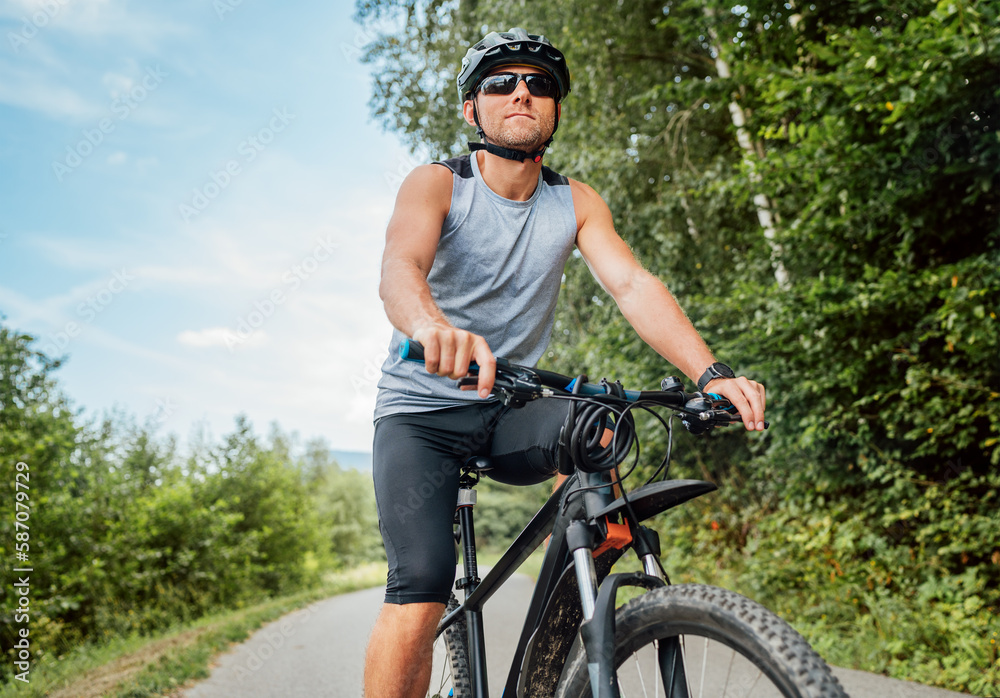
{"x": 512, "y": 387}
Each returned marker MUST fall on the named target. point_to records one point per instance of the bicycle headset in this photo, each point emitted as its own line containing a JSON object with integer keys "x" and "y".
{"x": 515, "y": 46}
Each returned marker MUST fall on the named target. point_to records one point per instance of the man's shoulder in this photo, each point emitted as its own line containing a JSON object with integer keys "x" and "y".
{"x": 426, "y": 185}
{"x": 458, "y": 165}
{"x": 583, "y": 191}
{"x": 578, "y": 188}
{"x": 553, "y": 178}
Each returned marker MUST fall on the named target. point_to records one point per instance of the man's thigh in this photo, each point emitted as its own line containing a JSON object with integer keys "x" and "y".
{"x": 416, "y": 463}
{"x": 525, "y": 447}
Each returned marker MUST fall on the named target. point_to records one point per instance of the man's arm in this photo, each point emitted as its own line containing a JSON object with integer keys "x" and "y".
{"x": 411, "y": 241}
{"x": 650, "y": 307}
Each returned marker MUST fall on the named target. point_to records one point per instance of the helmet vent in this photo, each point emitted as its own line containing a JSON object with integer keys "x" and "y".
{"x": 512, "y": 46}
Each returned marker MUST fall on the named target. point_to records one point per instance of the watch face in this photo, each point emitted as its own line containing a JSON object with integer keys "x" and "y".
{"x": 724, "y": 370}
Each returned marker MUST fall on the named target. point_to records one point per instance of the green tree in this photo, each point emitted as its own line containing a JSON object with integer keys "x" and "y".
{"x": 36, "y": 427}
{"x": 345, "y": 503}
{"x": 126, "y": 536}
{"x": 267, "y": 489}
{"x": 866, "y": 140}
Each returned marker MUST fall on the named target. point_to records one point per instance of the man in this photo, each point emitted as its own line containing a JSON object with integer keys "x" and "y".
{"x": 473, "y": 262}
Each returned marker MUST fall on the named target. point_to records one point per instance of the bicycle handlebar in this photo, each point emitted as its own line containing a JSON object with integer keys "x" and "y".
{"x": 516, "y": 384}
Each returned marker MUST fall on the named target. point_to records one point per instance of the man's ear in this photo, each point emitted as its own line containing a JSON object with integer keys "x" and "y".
{"x": 468, "y": 111}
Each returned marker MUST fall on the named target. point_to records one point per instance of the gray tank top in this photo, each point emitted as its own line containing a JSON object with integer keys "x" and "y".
{"x": 497, "y": 273}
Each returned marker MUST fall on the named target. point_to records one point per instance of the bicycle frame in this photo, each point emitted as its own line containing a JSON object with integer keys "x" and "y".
{"x": 570, "y": 573}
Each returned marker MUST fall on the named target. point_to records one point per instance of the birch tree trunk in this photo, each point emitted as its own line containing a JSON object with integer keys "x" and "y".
{"x": 751, "y": 153}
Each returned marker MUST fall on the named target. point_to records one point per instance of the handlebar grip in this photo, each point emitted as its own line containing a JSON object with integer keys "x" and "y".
{"x": 411, "y": 350}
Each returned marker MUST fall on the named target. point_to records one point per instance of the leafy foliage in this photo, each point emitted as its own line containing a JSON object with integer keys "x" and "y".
{"x": 868, "y": 137}
{"x": 126, "y": 536}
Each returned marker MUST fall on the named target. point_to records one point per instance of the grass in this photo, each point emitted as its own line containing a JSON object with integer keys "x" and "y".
{"x": 136, "y": 667}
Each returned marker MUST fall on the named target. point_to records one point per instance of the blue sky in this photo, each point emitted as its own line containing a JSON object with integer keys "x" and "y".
{"x": 193, "y": 201}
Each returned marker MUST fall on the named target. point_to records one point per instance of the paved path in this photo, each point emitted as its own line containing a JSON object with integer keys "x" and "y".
{"x": 319, "y": 651}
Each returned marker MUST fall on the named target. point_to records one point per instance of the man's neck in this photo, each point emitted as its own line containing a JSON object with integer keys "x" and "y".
{"x": 510, "y": 179}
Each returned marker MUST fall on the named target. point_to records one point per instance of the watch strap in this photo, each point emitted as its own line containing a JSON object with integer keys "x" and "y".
{"x": 716, "y": 370}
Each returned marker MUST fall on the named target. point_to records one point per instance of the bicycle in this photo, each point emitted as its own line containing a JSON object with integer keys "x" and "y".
{"x": 574, "y": 643}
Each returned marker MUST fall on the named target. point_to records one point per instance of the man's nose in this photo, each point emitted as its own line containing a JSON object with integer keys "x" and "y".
{"x": 521, "y": 92}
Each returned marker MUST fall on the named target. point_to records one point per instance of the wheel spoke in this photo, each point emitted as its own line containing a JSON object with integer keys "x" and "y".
{"x": 638, "y": 671}
{"x": 704, "y": 664}
{"x": 753, "y": 686}
{"x": 738, "y": 649}
{"x": 729, "y": 672}
{"x": 687, "y": 679}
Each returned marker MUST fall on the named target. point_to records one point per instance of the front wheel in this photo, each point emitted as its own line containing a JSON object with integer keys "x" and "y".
{"x": 693, "y": 640}
{"x": 450, "y": 676}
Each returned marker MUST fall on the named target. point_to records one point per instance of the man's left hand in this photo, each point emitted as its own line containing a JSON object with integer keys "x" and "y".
{"x": 747, "y": 396}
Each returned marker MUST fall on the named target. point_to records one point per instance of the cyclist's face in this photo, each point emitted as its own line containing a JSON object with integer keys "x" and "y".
{"x": 518, "y": 120}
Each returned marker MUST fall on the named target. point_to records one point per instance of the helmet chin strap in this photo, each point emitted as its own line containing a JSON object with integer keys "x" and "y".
{"x": 508, "y": 153}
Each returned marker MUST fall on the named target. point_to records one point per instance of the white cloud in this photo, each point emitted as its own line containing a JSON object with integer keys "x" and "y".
{"x": 35, "y": 90}
{"x": 91, "y": 18}
{"x": 312, "y": 364}
{"x": 220, "y": 337}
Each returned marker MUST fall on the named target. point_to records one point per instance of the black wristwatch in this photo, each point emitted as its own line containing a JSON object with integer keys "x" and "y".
{"x": 716, "y": 370}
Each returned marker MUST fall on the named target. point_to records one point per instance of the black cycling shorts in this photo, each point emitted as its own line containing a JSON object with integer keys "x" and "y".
{"x": 416, "y": 462}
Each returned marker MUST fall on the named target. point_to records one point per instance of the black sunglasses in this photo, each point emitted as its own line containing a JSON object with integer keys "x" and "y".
{"x": 506, "y": 83}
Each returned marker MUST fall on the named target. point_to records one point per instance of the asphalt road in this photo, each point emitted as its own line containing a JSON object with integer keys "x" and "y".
{"x": 319, "y": 651}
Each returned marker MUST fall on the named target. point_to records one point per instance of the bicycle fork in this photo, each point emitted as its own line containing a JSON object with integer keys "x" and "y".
{"x": 598, "y": 605}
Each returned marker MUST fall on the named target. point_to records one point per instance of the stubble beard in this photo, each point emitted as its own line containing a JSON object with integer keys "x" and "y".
{"x": 519, "y": 136}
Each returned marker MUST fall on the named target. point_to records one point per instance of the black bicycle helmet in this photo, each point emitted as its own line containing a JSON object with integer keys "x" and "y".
{"x": 515, "y": 46}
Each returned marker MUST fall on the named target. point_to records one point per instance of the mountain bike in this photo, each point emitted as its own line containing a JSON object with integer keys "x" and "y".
{"x": 681, "y": 641}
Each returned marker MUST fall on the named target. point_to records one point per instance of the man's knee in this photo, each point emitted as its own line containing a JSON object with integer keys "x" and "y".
{"x": 432, "y": 585}
{"x": 412, "y": 618}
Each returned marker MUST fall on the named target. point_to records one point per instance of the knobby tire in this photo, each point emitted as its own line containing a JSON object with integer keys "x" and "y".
{"x": 451, "y": 648}
{"x": 730, "y": 646}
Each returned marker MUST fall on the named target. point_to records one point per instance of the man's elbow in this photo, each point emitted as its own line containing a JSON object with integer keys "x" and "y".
{"x": 633, "y": 286}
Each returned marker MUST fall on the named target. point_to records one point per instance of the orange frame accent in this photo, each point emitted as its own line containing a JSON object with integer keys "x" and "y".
{"x": 619, "y": 536}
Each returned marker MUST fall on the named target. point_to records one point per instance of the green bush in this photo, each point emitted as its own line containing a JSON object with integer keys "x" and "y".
{"x": 128, "y": 537}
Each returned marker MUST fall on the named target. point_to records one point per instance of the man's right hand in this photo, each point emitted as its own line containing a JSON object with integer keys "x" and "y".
{"x": 449, "y": 351}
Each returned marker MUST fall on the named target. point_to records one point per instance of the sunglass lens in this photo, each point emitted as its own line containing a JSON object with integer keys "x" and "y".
{"x": 505, "y": 84}
{"x": 540, "y": 86}
{"x": 499, "y": 84}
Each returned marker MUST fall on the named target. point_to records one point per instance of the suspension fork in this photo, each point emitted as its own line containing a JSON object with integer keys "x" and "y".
{"x": 598, "y": 604}
{"x": 582, "y": 539}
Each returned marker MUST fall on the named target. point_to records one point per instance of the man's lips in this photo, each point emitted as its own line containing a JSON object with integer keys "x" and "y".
{"x": 527, "y": 116}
